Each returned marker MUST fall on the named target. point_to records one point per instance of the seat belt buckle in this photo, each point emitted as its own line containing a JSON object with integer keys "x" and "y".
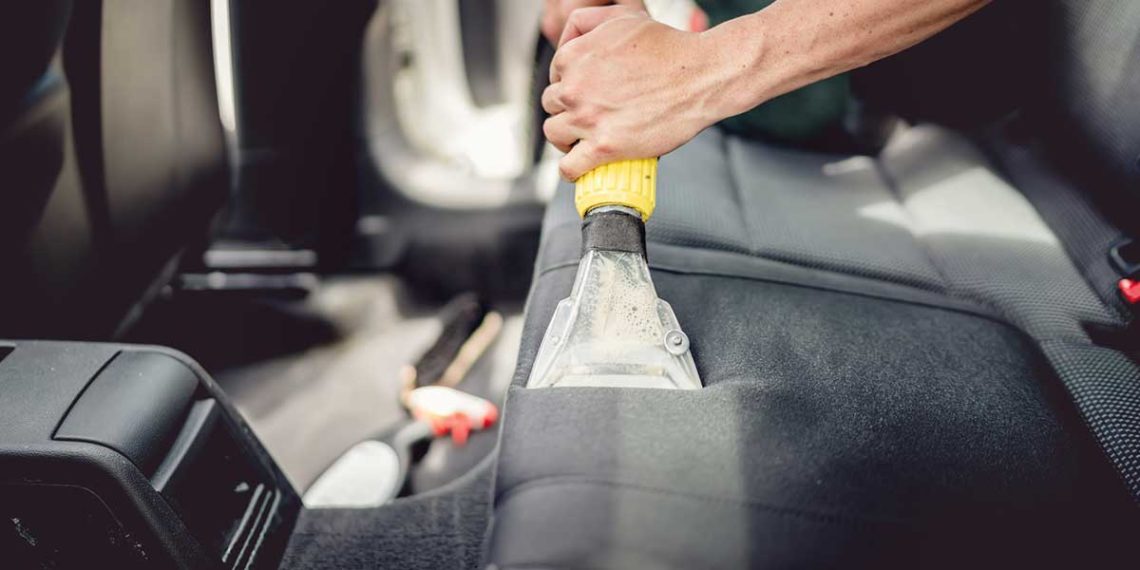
{"x": 1129, "y": 290}
{"x": 1124, "y": 255}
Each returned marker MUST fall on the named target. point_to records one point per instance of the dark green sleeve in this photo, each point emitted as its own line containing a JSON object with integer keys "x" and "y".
{"x": 796, "y": 116}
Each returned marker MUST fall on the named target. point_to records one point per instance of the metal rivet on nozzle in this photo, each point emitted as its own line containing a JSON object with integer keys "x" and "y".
{"x": 676, "y": 342}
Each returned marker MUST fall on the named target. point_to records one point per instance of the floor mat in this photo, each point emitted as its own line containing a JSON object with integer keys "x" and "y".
{"x": 439, "y": 530}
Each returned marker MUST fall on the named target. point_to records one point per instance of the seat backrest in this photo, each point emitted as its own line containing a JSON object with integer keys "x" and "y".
{"x": 971, "y": 73}
{"x": 112, "y": 157}
{"x": 1088, "y": 111}
{"x": 1070, "y": 68}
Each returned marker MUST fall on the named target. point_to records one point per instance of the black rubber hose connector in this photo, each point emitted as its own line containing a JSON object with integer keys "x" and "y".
{"x": 613, "y": 231}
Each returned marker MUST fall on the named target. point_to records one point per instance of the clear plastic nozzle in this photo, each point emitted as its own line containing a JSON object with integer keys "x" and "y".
{"x": 614, "y": 331}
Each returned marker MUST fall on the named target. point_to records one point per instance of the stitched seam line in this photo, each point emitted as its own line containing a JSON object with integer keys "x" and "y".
{"x": 979, "y": 313}
{"x": 578, "y": 480}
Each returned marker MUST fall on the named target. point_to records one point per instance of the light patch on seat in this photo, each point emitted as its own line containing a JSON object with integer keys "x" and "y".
{"x": 887, "y": 212}
{"x": 976, "y": 202}
{"x": 985, "y": 237}
{"x": 847, "y": 166}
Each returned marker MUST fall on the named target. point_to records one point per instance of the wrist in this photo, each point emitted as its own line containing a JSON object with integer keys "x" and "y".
{"x": 740, "y": 49}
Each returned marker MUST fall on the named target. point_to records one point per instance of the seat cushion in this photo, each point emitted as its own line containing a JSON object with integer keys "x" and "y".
{"x": 891, "y": 350}
{"x": 834, "y": 427}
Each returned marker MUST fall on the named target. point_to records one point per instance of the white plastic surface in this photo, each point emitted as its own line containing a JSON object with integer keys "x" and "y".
{"x": 365, "y": 476}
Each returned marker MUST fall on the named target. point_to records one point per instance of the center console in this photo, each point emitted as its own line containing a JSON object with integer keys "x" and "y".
{"x": 130, "y": 457}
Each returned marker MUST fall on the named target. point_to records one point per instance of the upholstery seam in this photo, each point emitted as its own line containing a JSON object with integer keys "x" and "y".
{"x": 951, "y": 289}
{"x": 979, "y": 313}
{"x": 892, "y": 186}
{"x": 738, "y": 198}
{"x": 910, "y": 280}
{"x": 1002, "y": 157}
{"x": 579, "y": 480}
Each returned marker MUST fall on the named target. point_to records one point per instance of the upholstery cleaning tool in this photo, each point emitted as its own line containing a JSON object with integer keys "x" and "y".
{"x": 613, "y": 330}
{"x": 375, "y": 471}
{"x": 461, "y": 318}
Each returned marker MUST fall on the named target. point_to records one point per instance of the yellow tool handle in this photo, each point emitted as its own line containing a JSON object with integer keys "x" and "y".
{"x": 629, "y": 183}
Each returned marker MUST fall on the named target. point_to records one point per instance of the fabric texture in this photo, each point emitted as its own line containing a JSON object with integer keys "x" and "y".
{"x": 833, "y": 428}
{"x": 986, "y": 239}
{"x": 1106, "y": 386}
{"x": 1074, "y": 217}
{"x": 892, "y": 348}
{"x": 445, "y": 529}
{"x": 909, "y": 360}
{"x": 1090, "y": 112}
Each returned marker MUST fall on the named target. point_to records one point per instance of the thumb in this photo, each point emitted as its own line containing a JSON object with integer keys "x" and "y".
{"x": 583, "y": 20}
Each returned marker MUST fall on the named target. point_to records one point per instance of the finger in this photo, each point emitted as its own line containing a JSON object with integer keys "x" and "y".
{"x": 559, "y": 132}
{"x": 556, "y": 64}
{"x": 551, "y": 27}
{"x": 568, "y": 6}
{"x": 580, "y": 160}
{"x": 582, "y": 20}
{"x": 552, "y": 99}
{"x": 556, "y": 12}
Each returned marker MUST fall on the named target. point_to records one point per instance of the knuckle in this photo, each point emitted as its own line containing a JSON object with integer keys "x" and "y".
{"x": 549, "y": 129}
{"x": 570, "y": 96}
{"x": 559, "y": 61}
{"x": 571, "y": 91}
{"x": 586, "y": 118}
{"x": 571, "y": 49}
{"x": 605, "y": 147}
{"x": 581, "y": 121}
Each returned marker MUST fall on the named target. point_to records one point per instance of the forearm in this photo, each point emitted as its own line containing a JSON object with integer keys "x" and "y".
{"x": 793, "y": 43}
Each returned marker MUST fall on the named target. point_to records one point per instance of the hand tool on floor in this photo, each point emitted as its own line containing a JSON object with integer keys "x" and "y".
{"x": 429, "y": 390}
{"x": 376, "y": 471}
{"x": 613, "y": 330}
{"x": 468, "y": 329}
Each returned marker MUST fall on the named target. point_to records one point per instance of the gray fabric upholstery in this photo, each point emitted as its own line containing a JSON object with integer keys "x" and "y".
{"x": 1090, "y": 110}
{"x": 986, "y": 239}
{"x": 1105, "y": 384}
{"x": 1072, "y": 214}
{"x": 822, "y": 211}
{"x": 931, "y": 212}
{"x": 891, "y": 349}
{"x": 443, "y": 529}
{"x": 835, "y": 428}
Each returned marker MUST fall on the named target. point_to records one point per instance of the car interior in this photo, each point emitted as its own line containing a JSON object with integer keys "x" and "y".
{"x": 277, "y": 279}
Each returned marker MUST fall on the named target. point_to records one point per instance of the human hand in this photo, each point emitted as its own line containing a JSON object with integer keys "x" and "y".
{"x": 557, "y": 12}
{"x": 624, "y": 86}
